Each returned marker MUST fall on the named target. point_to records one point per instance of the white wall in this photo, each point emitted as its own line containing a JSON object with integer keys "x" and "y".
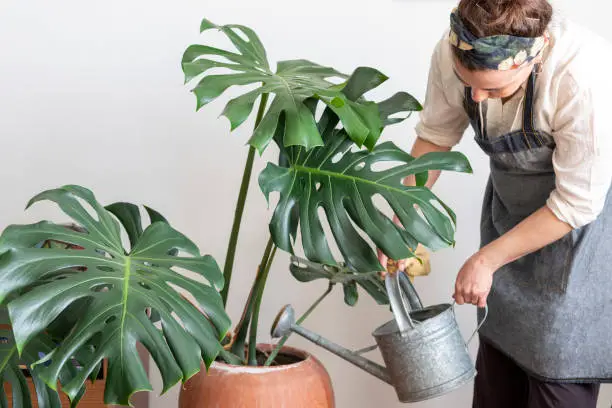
{"x": 92, "y": 94}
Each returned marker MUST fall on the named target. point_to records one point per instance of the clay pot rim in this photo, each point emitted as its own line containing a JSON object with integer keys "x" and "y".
{"x": 304, "y": 356}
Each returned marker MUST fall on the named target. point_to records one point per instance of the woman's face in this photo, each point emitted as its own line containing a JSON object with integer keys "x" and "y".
{"x": 492, "y": 84}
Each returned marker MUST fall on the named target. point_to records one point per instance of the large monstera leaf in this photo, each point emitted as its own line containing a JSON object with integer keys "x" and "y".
{"x": 293, "y": 83}
{"x": 120, "y": 289}
{"x": 345, "y": 184}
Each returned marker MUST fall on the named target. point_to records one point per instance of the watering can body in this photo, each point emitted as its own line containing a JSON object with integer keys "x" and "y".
{"x": 428, "y": 361}
{"x": 422, "y": 348}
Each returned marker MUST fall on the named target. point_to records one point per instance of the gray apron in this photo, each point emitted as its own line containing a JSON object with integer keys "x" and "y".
{"x": 550, "y": 311}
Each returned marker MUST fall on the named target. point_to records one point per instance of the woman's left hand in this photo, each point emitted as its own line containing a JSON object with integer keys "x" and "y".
{"x": 474, "y": 281}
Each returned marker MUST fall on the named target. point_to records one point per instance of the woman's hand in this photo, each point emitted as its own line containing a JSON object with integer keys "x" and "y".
{"x": 384, "y": 261}
{"x": 474, "y": 281}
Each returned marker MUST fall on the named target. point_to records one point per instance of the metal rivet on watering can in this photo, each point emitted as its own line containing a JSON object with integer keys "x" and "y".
{"x": 424, "y": 353}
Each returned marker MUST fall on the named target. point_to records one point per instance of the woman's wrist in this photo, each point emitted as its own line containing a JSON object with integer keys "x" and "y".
{"x": 490, "y": 258}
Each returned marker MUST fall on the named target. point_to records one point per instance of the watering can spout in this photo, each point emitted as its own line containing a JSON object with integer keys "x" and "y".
{"x": 285, "y": 323}
{"x": 424, "y": 352}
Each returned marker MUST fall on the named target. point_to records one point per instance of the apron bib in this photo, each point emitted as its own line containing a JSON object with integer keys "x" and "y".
{"x": 550, "y": 311}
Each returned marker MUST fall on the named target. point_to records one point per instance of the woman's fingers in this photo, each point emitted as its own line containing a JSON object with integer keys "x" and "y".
{"x": 390, "y": 265}
{"x": 473, "y": 282}
{"x": 482, "y": 302}
{"x": 470, "y": 296}
{"x": 383, "y": 259}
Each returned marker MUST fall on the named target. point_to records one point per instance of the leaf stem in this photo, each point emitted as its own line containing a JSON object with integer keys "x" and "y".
{"x": 242, "y": 195}
{"x": 242, "y": 327}
{"x": 256, "y": 307}
{"x": 282, "y": 342}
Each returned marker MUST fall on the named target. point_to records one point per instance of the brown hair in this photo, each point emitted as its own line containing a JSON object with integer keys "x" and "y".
{"x": 521, "y": 18}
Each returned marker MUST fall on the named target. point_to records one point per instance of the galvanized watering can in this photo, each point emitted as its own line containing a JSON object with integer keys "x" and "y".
{"x": 423, "y": 350}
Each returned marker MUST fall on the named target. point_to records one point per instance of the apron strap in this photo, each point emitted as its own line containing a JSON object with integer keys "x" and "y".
{"x": 474, "y": 109}
{"x": 528, "y": 115}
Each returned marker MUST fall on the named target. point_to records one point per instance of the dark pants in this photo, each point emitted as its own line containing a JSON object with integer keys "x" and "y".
{"x": 500, "y": 383}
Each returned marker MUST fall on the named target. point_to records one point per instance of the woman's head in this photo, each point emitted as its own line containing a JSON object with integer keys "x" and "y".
{"x": 496, "y": 43}
{"x": 520, "y": 18}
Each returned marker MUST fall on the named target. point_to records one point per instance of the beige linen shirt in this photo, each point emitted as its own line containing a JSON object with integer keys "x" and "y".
{"x": 572, "y": 103}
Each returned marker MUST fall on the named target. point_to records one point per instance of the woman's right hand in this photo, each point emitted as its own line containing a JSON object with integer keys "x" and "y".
{"x": 387, "y": 263}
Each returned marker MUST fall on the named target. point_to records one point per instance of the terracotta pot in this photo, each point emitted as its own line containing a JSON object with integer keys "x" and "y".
{"x": 302, "y": 384}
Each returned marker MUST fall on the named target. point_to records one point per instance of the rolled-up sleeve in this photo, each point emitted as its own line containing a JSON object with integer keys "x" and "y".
{"x": 443, "y": 119}
{"x": 582, "y": 158}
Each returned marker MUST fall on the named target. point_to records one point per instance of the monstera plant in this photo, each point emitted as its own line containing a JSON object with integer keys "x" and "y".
{"x": 77, "y": 296}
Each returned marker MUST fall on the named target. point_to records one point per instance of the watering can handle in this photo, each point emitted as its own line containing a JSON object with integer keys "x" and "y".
{"x": 399, "y": 305}
{"x": 486, "y": 311}
{"x": 410, "y": 292}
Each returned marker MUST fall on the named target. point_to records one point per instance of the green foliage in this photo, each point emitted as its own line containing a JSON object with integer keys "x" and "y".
{"x": 307, "y": 271}
{"x": 292, "y": 84}
{"x": 76, "y": 294}
{"x": 119, "y": 288}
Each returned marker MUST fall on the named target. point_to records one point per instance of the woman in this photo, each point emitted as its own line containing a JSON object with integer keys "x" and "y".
{"x": 535, "y": 91}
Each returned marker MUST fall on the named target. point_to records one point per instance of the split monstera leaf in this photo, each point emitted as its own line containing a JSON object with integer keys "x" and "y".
{"x": 116, "y": 289}
{"x": 293, "y": 85}
{"x": 344, "y": 184}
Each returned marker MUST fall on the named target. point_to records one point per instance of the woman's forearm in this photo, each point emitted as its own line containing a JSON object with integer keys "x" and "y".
{"x": 475, "y": 277}
{"x": 420, "y": 148}
{"x": 533, "y": 233}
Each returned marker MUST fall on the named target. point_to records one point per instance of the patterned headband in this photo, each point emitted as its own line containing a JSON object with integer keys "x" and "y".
{"x": 498, "y": 52}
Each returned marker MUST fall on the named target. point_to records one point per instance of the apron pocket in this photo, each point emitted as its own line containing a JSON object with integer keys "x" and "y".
{"x": 552, "y": 264}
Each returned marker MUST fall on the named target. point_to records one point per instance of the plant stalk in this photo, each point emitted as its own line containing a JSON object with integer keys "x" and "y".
{"x": 256, "y": 307}
{"x": 242, "y": 327}
{"x": 242, "y": 195}
{"x": 282, "y": 341}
